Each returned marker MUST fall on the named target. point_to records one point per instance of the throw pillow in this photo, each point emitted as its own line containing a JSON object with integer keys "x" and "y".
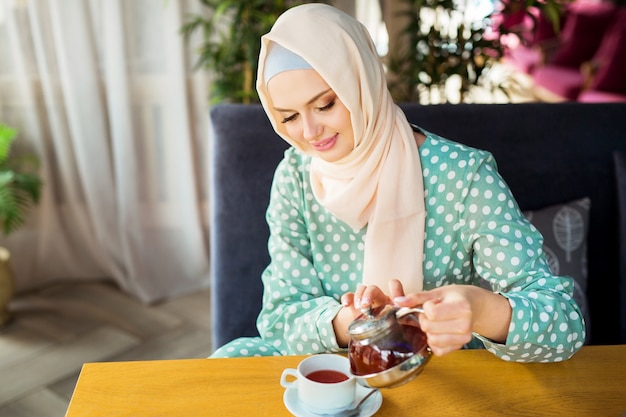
{"x": 564, "y": 228}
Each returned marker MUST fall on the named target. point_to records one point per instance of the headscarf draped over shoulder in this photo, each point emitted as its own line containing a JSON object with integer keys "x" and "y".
{"x": 379, "y": 184}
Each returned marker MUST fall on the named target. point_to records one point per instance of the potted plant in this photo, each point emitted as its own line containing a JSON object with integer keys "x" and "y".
{"x": 20, "y": 187}
{"x": 449, "y": 43}
{"x": 230, "y": 43}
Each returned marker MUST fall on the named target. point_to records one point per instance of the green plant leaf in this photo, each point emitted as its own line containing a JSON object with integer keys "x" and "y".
{"x": 19, "y": 188}
{"x": 7, "y": 135}
{"x": 231, "y": 33}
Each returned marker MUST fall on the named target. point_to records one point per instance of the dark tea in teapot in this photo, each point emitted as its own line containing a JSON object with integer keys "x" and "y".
{"x": 380, "y": 341}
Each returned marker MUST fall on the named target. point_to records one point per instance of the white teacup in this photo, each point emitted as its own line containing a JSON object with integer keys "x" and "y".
{"x": 324, "y": 382}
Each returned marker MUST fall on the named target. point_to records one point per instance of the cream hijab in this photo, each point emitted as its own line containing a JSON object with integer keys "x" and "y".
{"x": 379, "y": 184}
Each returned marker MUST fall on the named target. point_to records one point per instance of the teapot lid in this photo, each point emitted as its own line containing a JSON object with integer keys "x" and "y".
{"x": 375, "y": 321}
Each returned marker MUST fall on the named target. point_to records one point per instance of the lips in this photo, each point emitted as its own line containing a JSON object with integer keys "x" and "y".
{"x": 325, "y": 144}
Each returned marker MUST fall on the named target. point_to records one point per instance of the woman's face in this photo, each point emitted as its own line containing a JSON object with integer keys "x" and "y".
{"x": 312, "y": 114}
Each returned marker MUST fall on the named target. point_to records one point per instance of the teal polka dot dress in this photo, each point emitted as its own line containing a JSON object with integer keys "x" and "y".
{"x": 475, "y": 234}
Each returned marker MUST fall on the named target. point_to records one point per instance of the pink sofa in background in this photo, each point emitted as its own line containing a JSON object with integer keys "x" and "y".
{"x": 608, "y": 82}
{"x": 586, "y": 61}
{"x": 535, "y": 39}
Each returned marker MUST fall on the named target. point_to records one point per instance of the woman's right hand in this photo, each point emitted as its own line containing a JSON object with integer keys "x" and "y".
{"x": 371, "y": 296}
{"x": 365, "y": 296}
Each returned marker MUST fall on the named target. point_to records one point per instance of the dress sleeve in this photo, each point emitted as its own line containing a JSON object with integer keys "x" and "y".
{"x": 546, "y": 323}
{"x": 296, "y": 316}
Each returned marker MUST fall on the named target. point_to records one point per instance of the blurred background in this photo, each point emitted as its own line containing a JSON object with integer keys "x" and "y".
{"x": 105, "y": 143}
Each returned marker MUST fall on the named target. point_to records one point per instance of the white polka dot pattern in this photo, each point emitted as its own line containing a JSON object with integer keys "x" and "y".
{"x": 475, "y": 234}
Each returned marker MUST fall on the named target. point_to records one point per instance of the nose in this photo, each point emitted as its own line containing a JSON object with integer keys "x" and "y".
{"x": 311, "y": 128}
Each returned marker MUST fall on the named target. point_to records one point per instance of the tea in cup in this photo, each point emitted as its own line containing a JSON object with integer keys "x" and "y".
{"x": 324, "y": 383}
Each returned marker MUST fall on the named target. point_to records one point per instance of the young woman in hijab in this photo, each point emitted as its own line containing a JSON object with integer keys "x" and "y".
{"x": 366, "y": 210}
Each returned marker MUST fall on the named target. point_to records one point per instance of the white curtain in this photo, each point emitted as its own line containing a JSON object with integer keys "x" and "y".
{"x": 103, "y": 91}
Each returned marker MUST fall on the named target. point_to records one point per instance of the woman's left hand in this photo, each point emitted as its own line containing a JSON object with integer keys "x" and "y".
{"x": 447, "y": 319}
{"x": 453, "y": 312}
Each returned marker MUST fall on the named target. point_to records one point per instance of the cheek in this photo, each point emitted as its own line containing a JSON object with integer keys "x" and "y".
{"x": 343, "y": 120}
{"x": 293, "y": 131}
{"x": 295, "y": 134}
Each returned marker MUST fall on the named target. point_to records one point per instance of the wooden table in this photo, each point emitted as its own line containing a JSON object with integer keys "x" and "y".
{"x": 464, "y": 383}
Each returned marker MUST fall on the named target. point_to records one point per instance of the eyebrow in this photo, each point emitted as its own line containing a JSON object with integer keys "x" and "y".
{"x": 308, "y": 102}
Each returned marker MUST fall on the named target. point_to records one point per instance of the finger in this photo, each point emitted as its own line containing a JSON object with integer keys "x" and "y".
{"x": 370, "y": 293}
{"x": 377, "y": 296}
{"x": 347, "y": 300}
{"x": 367, "y": 296}
{"x": 443, "y": 350}
{"x": 459, "y": 327}
{"x": 395, "y": 288}
{"x": 417, "y": 298}
{"x": 410, "y": 300}
{"x": 358, "y": 295}
{"x": 430, "y": 308}
{"x": 446, "y": 343}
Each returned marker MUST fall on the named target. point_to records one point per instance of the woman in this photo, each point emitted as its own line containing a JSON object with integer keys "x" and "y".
{"x": 366, "y": 210}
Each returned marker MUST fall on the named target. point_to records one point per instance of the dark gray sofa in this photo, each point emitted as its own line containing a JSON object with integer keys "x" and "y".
{"x": 548, "y": 153}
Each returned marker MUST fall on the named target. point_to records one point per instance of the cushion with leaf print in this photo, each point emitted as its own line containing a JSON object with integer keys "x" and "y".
{"x": 564, "y": 228}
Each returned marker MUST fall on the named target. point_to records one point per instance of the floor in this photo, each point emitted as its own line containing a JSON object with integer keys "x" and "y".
{"x": 57, "y": 329}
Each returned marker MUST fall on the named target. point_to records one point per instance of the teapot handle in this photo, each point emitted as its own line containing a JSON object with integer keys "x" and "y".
{"x": 403, "y": 311}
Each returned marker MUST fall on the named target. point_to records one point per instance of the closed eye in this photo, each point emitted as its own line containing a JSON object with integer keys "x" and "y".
{"x": 321, "y": 109}
{"x": 289, "y": 118}
{"x": 327, "y": 107}
{"x": 317, "y": 97}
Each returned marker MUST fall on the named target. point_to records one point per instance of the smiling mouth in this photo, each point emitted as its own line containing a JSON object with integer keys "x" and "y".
{"x": 325, "y": 144}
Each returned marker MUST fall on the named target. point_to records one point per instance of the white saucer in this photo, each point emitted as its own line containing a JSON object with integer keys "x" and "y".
{"x": 372, "y": 404}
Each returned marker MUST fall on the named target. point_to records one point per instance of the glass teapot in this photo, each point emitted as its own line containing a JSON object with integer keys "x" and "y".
{"x": 387, "y": 347}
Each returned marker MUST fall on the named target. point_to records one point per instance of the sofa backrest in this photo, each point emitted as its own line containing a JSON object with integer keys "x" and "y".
{"x": 620, "y": 169}
{"x": 548, "y": 154}
{"x": 244, "y": 152}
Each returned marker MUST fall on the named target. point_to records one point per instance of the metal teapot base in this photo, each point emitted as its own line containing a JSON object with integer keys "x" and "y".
{"x": 398, "y": 375}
